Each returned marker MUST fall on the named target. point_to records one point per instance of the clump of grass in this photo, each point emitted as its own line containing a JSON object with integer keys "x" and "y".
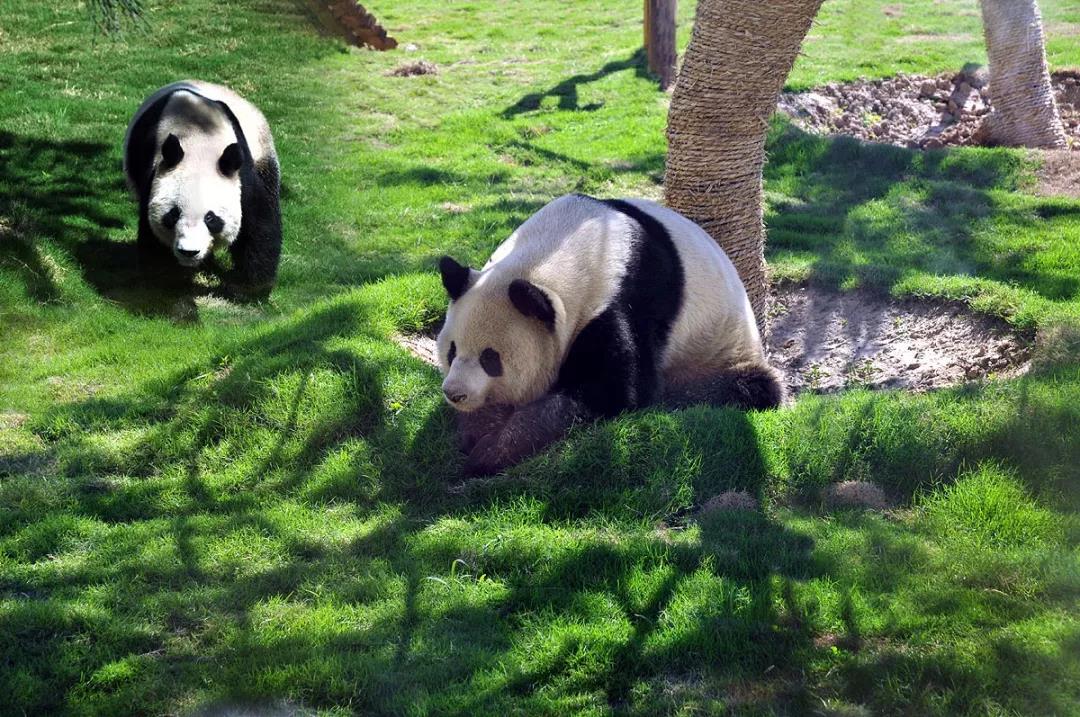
{"x": 990, "y": 508}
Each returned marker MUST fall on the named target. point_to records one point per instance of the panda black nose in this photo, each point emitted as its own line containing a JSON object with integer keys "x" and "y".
{"x": 188, "y": 253}
{"x": 455, "y": 397}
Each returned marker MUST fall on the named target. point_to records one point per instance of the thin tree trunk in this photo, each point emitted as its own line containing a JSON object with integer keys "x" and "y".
{"x": 660, "y": 39}
{"x": 1024, "y": 112}
{"x": 740, "y": 53}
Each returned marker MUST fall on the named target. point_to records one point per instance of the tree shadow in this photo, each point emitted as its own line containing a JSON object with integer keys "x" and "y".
{"x": 59, "y": 191}
{"x": 70, "y": 196}
{"x": 567, "y": 90}
{"x": 874, "y": 213}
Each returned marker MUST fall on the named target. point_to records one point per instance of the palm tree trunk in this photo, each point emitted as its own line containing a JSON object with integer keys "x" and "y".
{"x": 1024, "y": 112}
{"x": 740, "y": 53}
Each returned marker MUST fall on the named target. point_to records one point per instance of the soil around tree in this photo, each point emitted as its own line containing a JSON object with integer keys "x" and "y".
{"x": 918, "y": 111}
{"x": 824, "y": 342}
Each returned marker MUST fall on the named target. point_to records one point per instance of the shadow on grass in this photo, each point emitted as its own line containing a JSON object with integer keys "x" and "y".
{"x": 69, "y": 196}
{"x": 567, "y": 90}
{"x": 276, "y": 524}
{"x": 195, "y": 527}
{"x": 874, "y": 214}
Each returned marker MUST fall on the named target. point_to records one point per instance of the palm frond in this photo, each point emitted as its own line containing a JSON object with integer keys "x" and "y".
{"x": 110, "y": 16}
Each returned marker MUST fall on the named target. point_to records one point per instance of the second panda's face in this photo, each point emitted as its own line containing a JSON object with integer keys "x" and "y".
{"x": 490, "y": 350}
{"x": 195, "y": 196}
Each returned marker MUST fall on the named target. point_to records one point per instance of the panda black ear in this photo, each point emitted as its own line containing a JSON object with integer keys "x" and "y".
{"x": 531, "y": 300}
{"x": 171, "y": 152}
{"x": 231, "y": 159}
{"x": 455, "y": 277}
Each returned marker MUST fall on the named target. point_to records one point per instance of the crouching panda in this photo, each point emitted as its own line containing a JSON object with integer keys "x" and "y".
{"x": 200, "y": 159}
{"x": 591, "y": 308}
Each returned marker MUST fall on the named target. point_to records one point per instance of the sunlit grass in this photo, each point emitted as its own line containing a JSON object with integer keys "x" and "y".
{"x": 206, "y": 504}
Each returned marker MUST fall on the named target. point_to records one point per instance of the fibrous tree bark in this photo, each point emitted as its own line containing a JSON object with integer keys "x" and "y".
{"x": 660, "y": 39}
{"x": 1024, "y": 112}
{"x": 739, "y": 56}
{"x": 358, "y": 26}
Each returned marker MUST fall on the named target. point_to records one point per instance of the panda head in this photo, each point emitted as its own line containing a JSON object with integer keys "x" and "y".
{"x": 194, "y": 199}
{"x": 499, "y": 343}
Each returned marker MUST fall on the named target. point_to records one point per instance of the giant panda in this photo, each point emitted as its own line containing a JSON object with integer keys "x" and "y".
{"x": 591, "y": 308}
{"x": 201, "y": 161}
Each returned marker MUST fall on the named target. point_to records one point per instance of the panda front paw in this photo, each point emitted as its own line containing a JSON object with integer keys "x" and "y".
{"x": 485, "y": 458}
{"x": 475, "y": 425}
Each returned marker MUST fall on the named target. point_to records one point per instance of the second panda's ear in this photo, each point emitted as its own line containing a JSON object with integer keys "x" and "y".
{"x": 171, "y": 152}
{"x": 531, "y": 300}
{"x": 231, "y": 159}
{"x": 455, "y": 277}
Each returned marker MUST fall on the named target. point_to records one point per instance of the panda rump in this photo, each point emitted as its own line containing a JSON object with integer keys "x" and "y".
{"x": 597, "y": 307}
{"x": 198, "y": 152}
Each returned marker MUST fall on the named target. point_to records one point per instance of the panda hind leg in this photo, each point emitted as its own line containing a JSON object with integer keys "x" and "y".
{"x": 749, "y": 387}
{"x": 526, "y": 431}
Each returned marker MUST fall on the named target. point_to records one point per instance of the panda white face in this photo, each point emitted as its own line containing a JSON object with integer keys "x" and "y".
{"x": 490, "y": 351}
{"x": 195, "y": 196}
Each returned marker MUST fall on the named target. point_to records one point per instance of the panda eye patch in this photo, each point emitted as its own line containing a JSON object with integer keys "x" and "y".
{"x": 491, "y": 363}
{"x": 451, "y": 354}
{"x": 170, "y": 218}
{"x": 214, "y": 223}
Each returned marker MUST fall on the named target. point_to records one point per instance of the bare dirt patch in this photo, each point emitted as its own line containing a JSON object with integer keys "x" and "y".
{"x": 826, "y": 342}
{"x": 12, "y": 419}
{"x": 1059, "y": 174}
{"x": 420, "y": 345}
{"x": 915, "y": 110}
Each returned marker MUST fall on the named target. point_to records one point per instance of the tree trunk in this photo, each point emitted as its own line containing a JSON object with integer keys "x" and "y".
{"x": 660, "y": 39}
{"x": 1024, "y": 112}
{"x": 740, "y": 53}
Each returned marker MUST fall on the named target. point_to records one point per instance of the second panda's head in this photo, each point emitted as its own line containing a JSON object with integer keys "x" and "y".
{"x": 194, "y": 201}
{"x": 499, "y": 343}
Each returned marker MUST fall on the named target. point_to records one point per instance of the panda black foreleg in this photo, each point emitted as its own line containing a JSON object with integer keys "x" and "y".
{"x": 610, "y": 367}
{"x": 255, "y": 261}
{"x": 257, "y": 249}
{"x": 526, "y": 431}
{"x": 154, "y": 258}
{"x": 472, "y": 426}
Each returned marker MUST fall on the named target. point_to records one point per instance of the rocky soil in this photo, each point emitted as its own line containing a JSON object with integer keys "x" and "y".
{"x": 915, "y": 110}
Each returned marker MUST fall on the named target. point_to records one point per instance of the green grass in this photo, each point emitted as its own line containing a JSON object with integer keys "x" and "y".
{"x": 206, "y": 504}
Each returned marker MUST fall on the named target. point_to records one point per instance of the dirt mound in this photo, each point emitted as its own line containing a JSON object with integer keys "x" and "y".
{"x": 826, "y": 342}
{"x": 916, "y": 110}
{"x": 414, "y": 69}
{"x": 854, "y": 494}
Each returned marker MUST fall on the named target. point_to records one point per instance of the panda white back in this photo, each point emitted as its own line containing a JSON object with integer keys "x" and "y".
{"x": 576, "y": 248}
{"x": 579, "y": 248}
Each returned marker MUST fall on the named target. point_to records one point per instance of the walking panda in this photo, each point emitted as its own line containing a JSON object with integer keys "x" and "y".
{"x": 200, "y": 159}
{"x": 589, "y": 309}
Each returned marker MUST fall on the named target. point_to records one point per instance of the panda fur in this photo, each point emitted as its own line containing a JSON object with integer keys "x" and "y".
{"x": 201, "y": 162}
{"x": 591, "y": 308}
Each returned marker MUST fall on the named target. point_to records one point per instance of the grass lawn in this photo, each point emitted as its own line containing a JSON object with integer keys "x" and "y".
{"x": 205, "y": 504}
